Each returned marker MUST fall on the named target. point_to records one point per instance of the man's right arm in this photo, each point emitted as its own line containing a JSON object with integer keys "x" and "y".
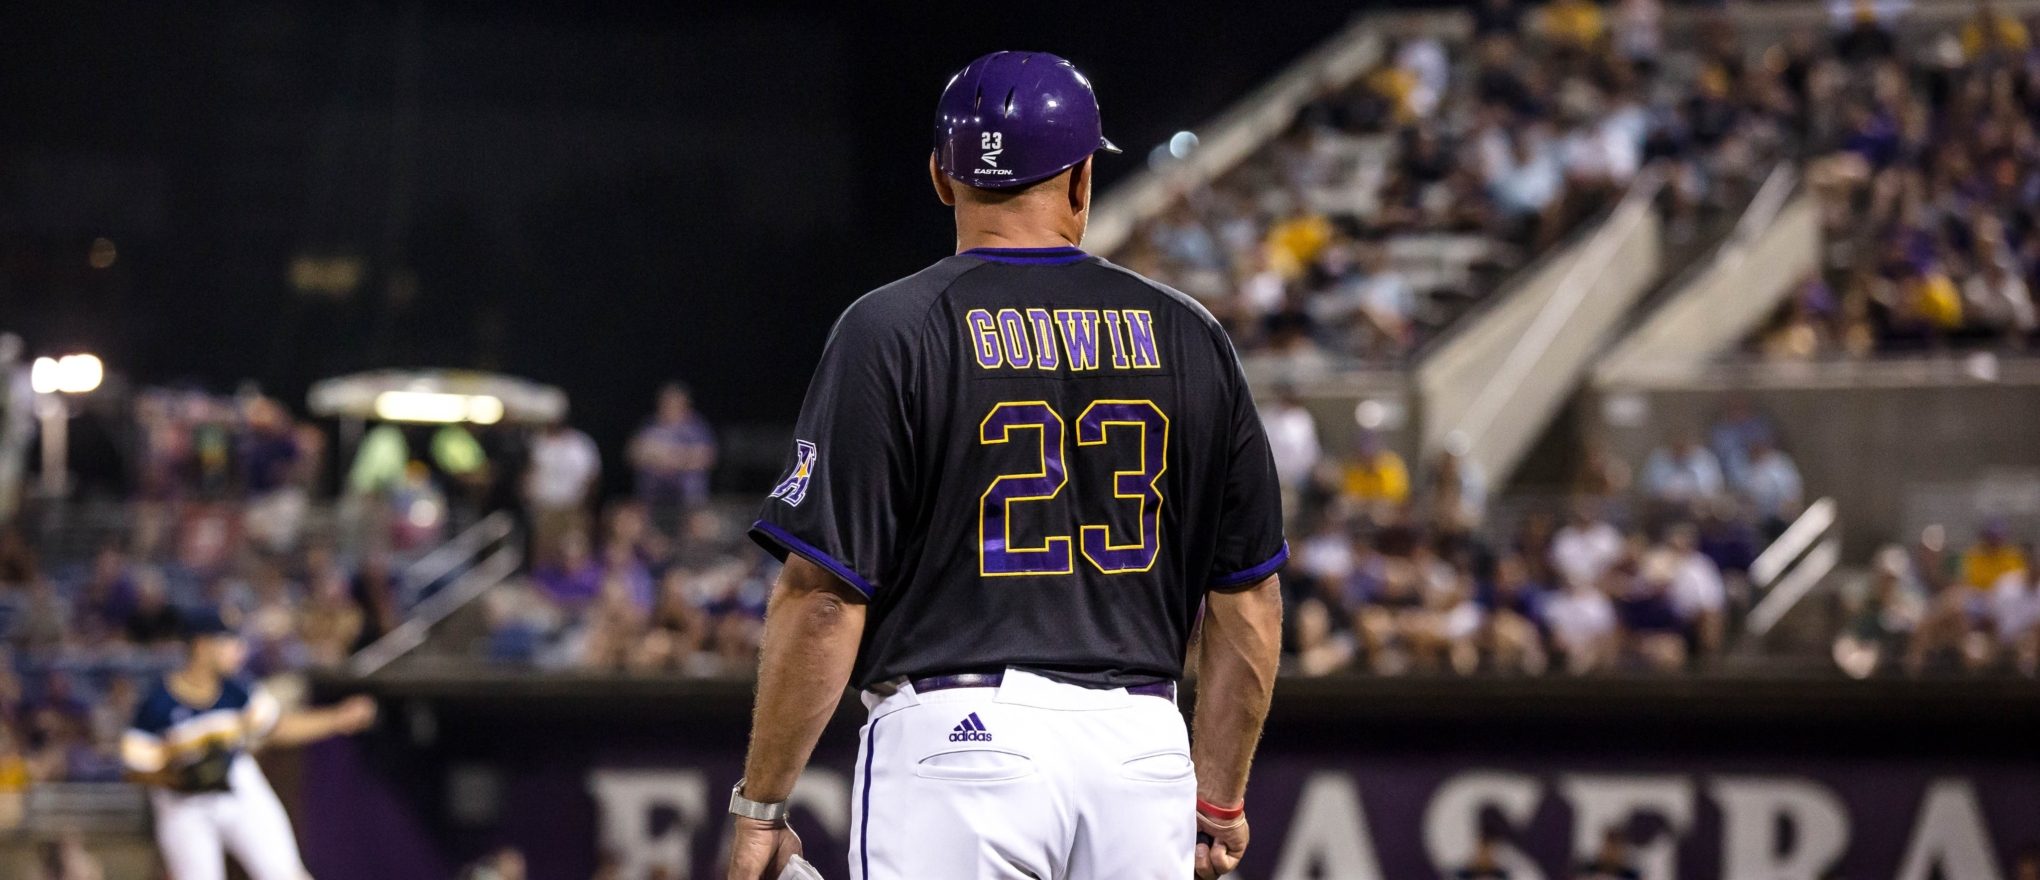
{"x": 1237, "y": 657}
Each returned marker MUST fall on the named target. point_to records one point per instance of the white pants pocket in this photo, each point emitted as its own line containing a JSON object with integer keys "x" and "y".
{"x": 974, "y": 765}
{"x": 1169, "y": 766}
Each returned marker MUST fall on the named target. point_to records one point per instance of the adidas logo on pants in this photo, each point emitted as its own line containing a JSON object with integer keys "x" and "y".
{"x": 971, "y": 730}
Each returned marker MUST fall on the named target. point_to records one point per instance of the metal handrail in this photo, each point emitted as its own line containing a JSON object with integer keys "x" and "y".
{"x": 1551, "y": 319}
{"x": 1795, "y": 585}
{"x": 493, "y": 570}
{"x": 1793, "y": 542}
{"x": 1787, "y": 571}
{"x": 450, "y": 556}
{"x": 1763, "y": 208}
{"x": 1644, "y": 346}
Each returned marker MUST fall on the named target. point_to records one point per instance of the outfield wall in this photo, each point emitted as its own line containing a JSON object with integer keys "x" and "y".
{"x": 1359, "y": 778}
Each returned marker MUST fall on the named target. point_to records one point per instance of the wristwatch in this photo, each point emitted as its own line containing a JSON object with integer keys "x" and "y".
{"x": 750, "y": 809}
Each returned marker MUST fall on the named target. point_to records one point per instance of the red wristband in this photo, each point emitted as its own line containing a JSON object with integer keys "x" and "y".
{"x": 1223, "y": 814}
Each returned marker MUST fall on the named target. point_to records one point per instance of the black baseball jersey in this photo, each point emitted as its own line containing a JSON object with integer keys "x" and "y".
{"x": 1033, "y": 458}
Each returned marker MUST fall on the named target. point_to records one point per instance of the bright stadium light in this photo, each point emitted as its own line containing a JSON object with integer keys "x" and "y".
{"x": 438, "y": 408}
{"x": 70, "y": 374}
{"x": 80, "y": 373}
{"x": 42, "y": 376}
{"x": 482, "y": 409}
{"x": 52, "y": 378}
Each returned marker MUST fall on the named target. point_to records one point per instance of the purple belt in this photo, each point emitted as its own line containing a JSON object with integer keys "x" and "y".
{"x": 1164, "y": 689}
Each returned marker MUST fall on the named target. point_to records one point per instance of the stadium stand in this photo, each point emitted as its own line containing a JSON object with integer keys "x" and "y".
{"x": 1392, "y": 205}
{"x": 1414, "y": 213}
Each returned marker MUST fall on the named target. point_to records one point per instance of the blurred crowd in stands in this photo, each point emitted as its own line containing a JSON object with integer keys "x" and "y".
{"x": 666, "y": 583}
{"x": 91, "y": 606}
{"x": 1394, "y": 572}
{"x": 1448, "y": 152}
{"x": 1928, "y": 173}
{"x": 1936, "y": 605}
{"x": 1391, "y": 203}
{"x": 231, "y": 506}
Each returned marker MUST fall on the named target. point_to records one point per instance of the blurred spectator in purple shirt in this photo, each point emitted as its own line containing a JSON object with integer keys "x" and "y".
{"x": 108, "y": 594}
{"x": 1726, "y": 538}
{"x": 267, "y": 447}
{"x": 622, "y": 568}
{"x": 1515, "y": 616}
{"x": 673, "y": 454}
{"x": 573, "y": 578}
{"x": 153, "y": 619}
{"x": 268, "y": 454}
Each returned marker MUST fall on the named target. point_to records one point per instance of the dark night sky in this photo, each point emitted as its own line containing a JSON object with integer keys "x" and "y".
{"x": 600, "y": 195}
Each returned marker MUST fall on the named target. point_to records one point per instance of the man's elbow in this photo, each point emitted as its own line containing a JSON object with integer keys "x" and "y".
{"x": 814, "y": 597}
{"x": 821, "y": 610}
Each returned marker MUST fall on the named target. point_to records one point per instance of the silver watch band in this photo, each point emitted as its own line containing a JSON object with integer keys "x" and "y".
{"x": 750, "y": 809}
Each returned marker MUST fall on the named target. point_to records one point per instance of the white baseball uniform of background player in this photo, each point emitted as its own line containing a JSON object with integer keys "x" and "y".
{"x": 190, "y": 743}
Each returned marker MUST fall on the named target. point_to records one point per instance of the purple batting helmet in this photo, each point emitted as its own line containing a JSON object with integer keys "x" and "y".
{"x": 1012, "y": 118}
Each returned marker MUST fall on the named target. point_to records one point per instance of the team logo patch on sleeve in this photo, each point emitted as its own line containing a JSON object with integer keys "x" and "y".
{"x": 793, "y": 489}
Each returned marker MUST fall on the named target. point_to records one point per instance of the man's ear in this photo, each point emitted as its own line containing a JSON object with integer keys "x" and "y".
{"x": 944, "y": 189}
{"x": 1080, "y": 186}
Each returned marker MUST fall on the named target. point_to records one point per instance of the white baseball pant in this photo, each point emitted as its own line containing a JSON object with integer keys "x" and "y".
{"x": 1032, "y": 779}
{"x": 194, "y": 832}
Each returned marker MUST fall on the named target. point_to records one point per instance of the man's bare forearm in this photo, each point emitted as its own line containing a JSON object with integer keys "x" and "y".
{"x": 1236, "y": 663}
{"x": 812, "y": 628}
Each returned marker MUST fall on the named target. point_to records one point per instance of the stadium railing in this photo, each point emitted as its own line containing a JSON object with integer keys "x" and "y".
{"x": 1499, "y": 381}
{"x": 478, "y": 559}
{"x": 1795, "y": 564}
{"x": 1506, "y": 371}
{"x": 1776, "y": 243}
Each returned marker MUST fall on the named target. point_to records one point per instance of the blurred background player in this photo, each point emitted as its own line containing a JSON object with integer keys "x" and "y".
{"x": 190, "y": 743}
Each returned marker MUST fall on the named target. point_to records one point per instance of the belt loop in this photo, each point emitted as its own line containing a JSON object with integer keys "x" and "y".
{"x": 889, "y": 696}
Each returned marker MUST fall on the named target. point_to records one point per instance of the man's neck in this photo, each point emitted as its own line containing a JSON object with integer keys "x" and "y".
{"x": 967, "y": 239}
{"x": 1025, "y": 224}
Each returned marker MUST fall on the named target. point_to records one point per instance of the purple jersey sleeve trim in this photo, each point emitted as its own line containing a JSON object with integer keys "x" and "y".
{"x": 780, "y": 542}
{"x": 1256, "y": 573}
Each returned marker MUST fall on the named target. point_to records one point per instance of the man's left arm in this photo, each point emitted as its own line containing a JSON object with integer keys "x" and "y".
{"x": 834, "y": 520}
{"x": 813, "y": 625}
